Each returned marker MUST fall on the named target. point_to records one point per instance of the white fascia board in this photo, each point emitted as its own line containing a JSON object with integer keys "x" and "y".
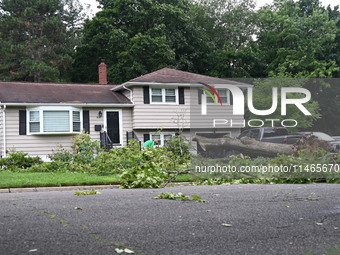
{"x": 219, "y": 85}
{"x": 69, "y": 104}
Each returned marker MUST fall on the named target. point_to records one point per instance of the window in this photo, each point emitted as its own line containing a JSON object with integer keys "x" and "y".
{"x": 224, "y": 95}
{"x": 56, "y": 121}
{"x": 162, "y": 138}
{"x": 34, "y": 120}
{"x": 162, "y": 95}
{"x": 48, "y": 120}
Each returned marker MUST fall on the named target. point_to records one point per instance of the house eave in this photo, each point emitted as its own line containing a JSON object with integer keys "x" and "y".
{"x": 69, "y": 104}
{"x": 195, "y": 84}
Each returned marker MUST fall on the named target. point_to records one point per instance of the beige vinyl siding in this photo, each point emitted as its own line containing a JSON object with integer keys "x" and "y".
{"x": 155, "y": 116}
{"x": 45, "y": 144}
{"x": 31, "y": 144}
{"x": 127, "y": 123}
{"x": 95, "y": 120}
{"x": 222, "y": 113}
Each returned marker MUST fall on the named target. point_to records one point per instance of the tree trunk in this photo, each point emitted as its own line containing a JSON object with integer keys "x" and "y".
{"x": 245, "y": 145}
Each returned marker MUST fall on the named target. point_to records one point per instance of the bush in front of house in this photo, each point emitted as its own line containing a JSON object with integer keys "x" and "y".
{"x": 84, "y": 150}
{"x": 16, "y": 161}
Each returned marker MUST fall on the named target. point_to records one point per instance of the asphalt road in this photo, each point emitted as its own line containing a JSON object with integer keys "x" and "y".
{"x": 262, "y": 219}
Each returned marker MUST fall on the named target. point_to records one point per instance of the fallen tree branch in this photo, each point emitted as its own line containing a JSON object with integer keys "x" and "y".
{"x": 245, "y": 145}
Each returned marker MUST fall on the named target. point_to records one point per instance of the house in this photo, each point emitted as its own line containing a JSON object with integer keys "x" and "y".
{"x": 36, "y": 117}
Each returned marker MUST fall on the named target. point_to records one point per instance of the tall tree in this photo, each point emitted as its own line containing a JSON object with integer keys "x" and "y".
{"x": 231, "y": 29}
{"x": 294, "y": 39}
{"x": 139, "y": 36}
{"x": 37, "y": 38}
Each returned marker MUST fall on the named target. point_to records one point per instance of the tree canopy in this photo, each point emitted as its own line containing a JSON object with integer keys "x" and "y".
{"x": 37, "y": 39}
{"x": 49, "y": 40}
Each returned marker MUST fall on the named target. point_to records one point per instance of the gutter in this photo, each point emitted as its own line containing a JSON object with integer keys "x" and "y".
{"x": 68, "y": 104}
{"x": 189, "y": 85}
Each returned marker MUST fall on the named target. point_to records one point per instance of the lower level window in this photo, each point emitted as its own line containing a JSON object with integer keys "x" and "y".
{"x": 163, "y": 138}
{"x": 54, "y": 121}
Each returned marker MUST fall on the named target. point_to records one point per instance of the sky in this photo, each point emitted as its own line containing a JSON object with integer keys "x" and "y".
{"x": 93, "y": 4}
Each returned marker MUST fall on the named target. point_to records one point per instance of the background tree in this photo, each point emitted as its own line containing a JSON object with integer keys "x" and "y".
{"x": 231, "y": 30}
{"x": 37, "y": 38}
{"x": 140, "y": 36}
{"x": 294, "y": 39}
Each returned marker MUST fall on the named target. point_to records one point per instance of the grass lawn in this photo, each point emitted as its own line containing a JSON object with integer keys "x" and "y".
{"x": 10, "y": 179}
{"x": 21, "y": 180}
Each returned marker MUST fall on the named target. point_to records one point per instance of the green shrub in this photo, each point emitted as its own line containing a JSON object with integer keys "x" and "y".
{"x": 179, "y": 146}
{"x": 17, "y": 160}
{"x": 84, "y": 150}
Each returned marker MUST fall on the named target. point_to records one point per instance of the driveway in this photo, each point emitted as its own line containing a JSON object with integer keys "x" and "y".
{"x": 238, "y": 219}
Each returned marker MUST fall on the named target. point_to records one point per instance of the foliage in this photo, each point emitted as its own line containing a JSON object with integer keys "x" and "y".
{"x": 86, "y": 192}
{"x": 179, "y": 196}
{"x": 172, "y": 196}
{"x": 117, "y": 159}
{"x": 179, "y": 146}
{"x": 305, "y": 167}
{"x": 148, "y": 171}
{"x": 37, "y": 38}
{"x": 84, "y": 151}
{"x": 140, "y": 36}
{"x": 19, "y": 160}
{"x": 294, "y": 39}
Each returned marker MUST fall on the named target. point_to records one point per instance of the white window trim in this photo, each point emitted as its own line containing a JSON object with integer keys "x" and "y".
{"x": 217, "y": 89}
{"x": 163, "y": 95}
{"x": 120, "y": 112}
{"x": 41, "y": 109}
{"x": 161, "y": 136}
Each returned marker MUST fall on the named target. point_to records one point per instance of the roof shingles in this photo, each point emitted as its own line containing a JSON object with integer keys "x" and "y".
{"x": 21, "y": 92}
{"x": 168, "y": 75}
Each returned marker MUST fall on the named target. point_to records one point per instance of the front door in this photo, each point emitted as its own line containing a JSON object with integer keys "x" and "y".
{"x": 112, "y": 119}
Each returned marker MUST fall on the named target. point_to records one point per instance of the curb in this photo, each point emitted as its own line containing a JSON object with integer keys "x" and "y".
{"x": 70, "y": 188}
{"x": 65, "y": 188}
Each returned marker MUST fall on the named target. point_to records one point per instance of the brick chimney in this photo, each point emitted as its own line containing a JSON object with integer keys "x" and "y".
{"x": 102, "y": 72}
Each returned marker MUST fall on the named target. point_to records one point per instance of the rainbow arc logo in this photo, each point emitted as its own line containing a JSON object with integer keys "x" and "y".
{"x": 211, "y": 91}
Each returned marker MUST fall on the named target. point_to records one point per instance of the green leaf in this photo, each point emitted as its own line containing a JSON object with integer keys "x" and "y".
{"x": 119, "y": 250}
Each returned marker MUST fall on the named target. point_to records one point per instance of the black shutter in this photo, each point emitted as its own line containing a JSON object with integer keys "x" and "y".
{"x": 86, "y": 121}
{"x": 22, "y": 122}
{"x": 200, "y": 92}
{"x": 231, "y": 98}
{"x": 146, "y": 94}
{"x": 146, "y": 137}
{"x": 181, "y": 95}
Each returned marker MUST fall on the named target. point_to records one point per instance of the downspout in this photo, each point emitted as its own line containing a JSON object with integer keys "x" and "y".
{"x": 4, "y": 131}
